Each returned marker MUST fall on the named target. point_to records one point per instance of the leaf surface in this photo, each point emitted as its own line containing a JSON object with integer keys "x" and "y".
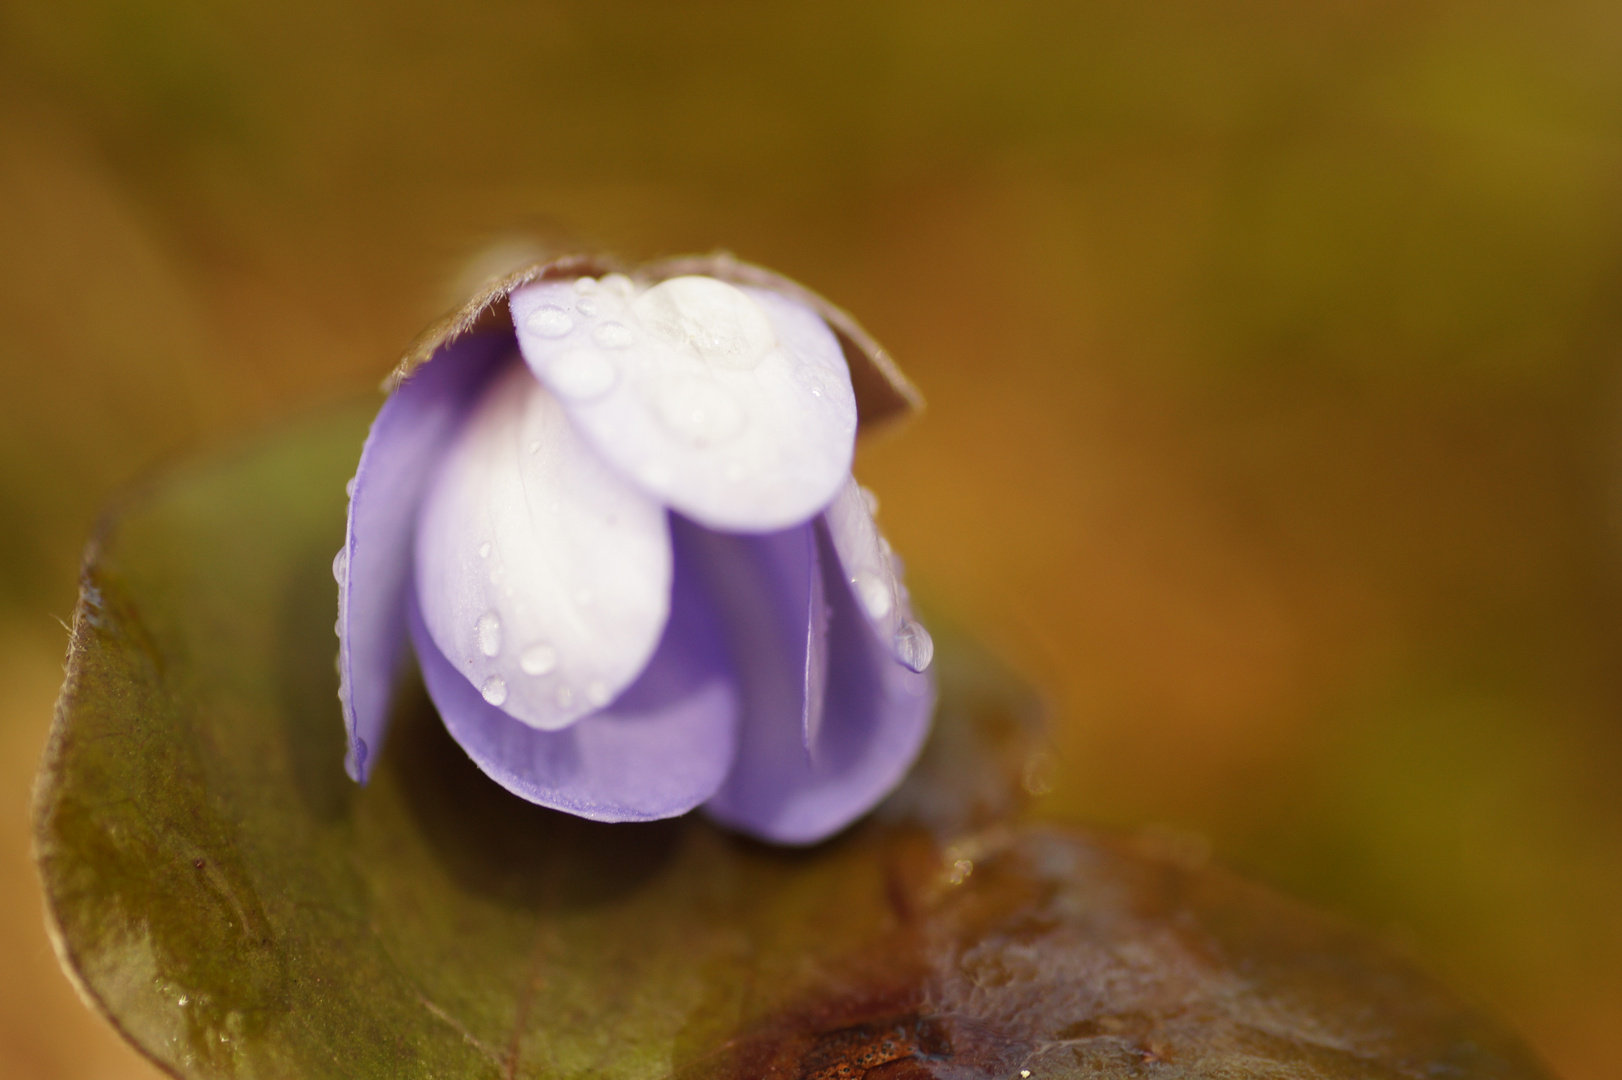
{"x": 238, "y": 908}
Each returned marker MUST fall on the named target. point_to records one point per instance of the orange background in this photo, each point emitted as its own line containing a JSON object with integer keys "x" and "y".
{"x": 1274, "y": 353}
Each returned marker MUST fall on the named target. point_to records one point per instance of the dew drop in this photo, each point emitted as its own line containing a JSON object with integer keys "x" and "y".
{"x": 585, "y": 285}
{"x": 534, "y": 446}
{"x": 565, "y": 697}
{"x": 586, "y": 306}
{"x": 349, "y": 487}
{"x": 618, "y": 284}
{"x": 701, "y": 413}
{"x": 870, "y": 500}
{"x": 538, "y": 659}
{"x": 581, "y": 375}
{"x": 874, "y": 593}
{"x": 614, "y": 335}
{"x": 489, "y": 630}
{"x": 913, "y": 645}
{"x": 340, "y": 565}
{"x": 484, "y": 550}
{"x": 549, "y": 321}
{"x": 597, "y": 693}
{"x": 718, "y": 322}
{"x": 494, "y": 690}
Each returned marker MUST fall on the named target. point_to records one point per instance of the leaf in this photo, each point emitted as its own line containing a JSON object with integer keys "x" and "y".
{"x": 237, "y": 908}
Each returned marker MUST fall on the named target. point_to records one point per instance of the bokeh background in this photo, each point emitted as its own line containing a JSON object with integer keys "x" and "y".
{"x": 1274, "y": 353}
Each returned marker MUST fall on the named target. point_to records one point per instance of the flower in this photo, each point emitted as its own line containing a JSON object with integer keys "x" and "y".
{"x": 613, "y": 516}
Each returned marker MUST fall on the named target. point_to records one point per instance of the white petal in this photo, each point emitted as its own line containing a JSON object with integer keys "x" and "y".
{"x": 542, "y": 574}
{"x": 874, "y": 574}
{"x": 732, "y": 405}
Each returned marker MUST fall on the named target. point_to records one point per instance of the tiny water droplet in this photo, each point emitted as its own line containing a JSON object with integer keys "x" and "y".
{"x": 597, "y": 693}
{"x": 349, "y": 487}
{"x": 489, "y": 630}
{"x": 871, "y": 500}
{"x": 565, "y": 697}
{"x": 549, "y": 321}
{"x": 538, "y": 659}
{"x": 874, "y": 593}
{"x": 338, "y": 627}
{"x": 340, "y": 565}
{"x": 484, "y": 550}
{"x": 585, "y": 285}
{"x": 913, "y": 645}
{"x": 586, "y": 306}
{"x": 494, "y": 690}
{"x": 581, "y": 375}
{"x": 614, "y": 335}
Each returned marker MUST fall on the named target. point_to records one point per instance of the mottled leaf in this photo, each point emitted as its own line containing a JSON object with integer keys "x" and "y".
{"x": 238, "y": 908}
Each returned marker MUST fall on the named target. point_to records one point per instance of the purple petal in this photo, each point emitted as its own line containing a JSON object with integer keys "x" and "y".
{"x": 873, "y": 573}
{"x": 659, "y": 750}
{"x": 542, "y": 575}
{"x": 373, "y": 569}
{"x": 875, "y": 711}
{"x": 734, "y": 406}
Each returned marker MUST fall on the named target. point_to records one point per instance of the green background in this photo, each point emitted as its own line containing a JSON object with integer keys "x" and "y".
{"x": 1272, "y": 352}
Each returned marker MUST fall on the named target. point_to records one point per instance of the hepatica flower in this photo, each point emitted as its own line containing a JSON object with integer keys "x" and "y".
{"x": 614, "y": 518}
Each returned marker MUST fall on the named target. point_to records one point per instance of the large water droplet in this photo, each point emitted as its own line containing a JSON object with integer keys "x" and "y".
{"x": 913, "y": 645}
{"x": 340, "y": 565}
{"x": 614, "y": 335}
{"x": 538, "y": 659}
{"x": 718, "y": 322}
{"x": 875, "y": 594}
{"x": 489, "y": 630}
{"x": 549, "y": 321}
{"x": 581, "y": 375}
{"x": 494, "y": 690}
{"x": 700, "y": 412}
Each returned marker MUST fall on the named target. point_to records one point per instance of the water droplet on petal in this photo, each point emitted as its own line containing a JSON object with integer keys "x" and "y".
{"x": 489, "y": 630}
{"x": 617, "y": 283}
{"x": 484, "y": 550}
{"x": 585, "y": 285}
{"x": 535, "y": 446}
{"x": 614, "y": 335}
{"x": 565, "y": 697}
{"x": 494, "y": 690}
{"x": 701, "y": 412}
{"x": 549, "y": 321}
{"x": 581, "y": 375}
{"x": 597, "y": 693}
{"x": 586, "y": 306}
{"x": 874, "y": 593}
{"x": 913, "y": 645}
{"x": 538, "y": 659}
{"x": 349, "y": 487}
{"x": 713, "y": 319}
{"x": 340, "y": 565}
{"x": 871, "y": 500}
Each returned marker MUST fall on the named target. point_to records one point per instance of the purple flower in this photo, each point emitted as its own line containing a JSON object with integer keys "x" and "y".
{"x": 615, "y": 519}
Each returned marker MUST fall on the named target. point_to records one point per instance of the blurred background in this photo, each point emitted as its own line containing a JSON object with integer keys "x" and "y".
{"x": 1274, "y": 356}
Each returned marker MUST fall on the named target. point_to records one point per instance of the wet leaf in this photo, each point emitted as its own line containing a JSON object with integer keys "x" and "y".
{"x": 238, "y": 908}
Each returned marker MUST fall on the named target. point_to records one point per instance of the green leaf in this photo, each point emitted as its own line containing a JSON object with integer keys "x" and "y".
{"x": 239, "y": 909}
